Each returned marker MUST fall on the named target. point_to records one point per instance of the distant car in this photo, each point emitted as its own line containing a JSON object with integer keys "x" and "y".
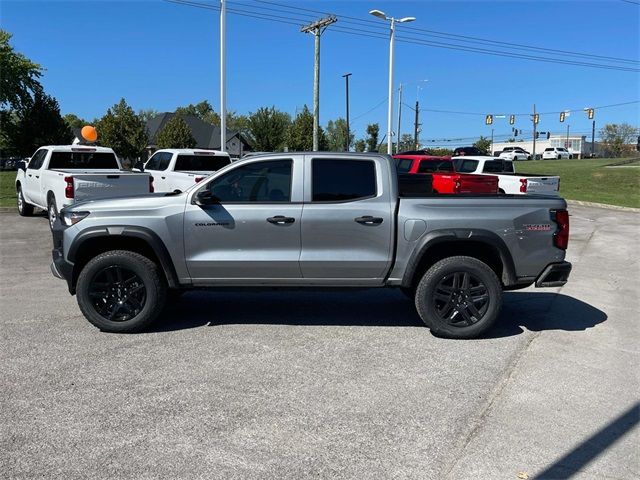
{"x": 555, "y": 153}
{"x": 515, "y": 153}
{"x": 463, "y": 151}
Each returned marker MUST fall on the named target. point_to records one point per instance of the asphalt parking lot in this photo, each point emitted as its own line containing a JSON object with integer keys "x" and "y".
{"x": 284, "y": 384}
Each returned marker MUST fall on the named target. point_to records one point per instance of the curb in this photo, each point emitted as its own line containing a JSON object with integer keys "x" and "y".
{"x": 602, "y": 205}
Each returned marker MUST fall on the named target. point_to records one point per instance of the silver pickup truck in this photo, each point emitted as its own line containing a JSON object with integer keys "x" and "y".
{"x": 310, "y": 220}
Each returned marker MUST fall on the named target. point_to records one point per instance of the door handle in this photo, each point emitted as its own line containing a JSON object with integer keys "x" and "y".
{"x": 369, "y": 220}
{"x": 281, "y": 220}
{"x": 163, "y": 177}
{"x": 29, "y": 174}
{"x": 37, "y": 176}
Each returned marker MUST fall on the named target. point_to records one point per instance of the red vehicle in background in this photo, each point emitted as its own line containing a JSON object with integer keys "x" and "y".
{"x": 445, "y": 178}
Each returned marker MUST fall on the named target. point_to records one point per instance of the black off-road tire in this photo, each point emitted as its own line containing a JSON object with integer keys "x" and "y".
{"x": 24, "y": 209}
{"x": 150, "y": 276}
{"x": 442, "y": 271}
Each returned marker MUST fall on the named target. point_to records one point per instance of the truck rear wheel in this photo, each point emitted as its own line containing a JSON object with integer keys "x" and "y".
{"x": 459, "y": 297}
{"x": 24, "y": 209}
{"x": 121, "y": 291}
{"x": 52, "y": 211}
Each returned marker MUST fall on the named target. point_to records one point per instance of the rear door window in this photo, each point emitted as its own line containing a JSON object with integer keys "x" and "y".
{"x": 342, "y": 180}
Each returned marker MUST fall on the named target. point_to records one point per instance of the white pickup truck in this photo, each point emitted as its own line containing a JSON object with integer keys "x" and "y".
{"x": 60, "y": 175}
{"x": 509, "y": 181}
{"x": 180, "y": 168}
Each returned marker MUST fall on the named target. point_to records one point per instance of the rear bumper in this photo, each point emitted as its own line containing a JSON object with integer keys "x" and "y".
{"x": 554, "y": 275}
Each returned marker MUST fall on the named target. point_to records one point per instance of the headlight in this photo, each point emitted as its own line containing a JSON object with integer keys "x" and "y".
{"x": 71, "y": 218}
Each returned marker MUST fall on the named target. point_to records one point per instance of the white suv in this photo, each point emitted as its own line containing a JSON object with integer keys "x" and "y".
{"x": 515, "y": 153}
{"x": 555, "y": 152}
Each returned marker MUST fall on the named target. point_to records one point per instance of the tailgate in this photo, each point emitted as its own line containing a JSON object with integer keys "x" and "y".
{"x": 478, "y": 183}
{"x": 543, "y": 185}
{"x": 94, "y": 186}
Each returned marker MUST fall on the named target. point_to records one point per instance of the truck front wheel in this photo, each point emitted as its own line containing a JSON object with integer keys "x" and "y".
{"x": 459, "y": 297}
{"x": 24, "y": 209}
{"x": 121, "y": 291}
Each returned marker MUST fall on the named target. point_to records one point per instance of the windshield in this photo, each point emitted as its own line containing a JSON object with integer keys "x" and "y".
{"x": 200, "y": 163}
{"x": 88, "y": 160}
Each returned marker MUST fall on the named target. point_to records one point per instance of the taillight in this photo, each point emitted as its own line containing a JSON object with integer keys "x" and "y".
{"x": 199, "y": 179}
{"x": 561, "y": 236}
{"x": 523, "y": 185}
{"x": 68, "y": 189}
{"x": 151, "y": 189}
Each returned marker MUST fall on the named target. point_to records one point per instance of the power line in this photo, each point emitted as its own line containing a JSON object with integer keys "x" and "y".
{"x": 373, "y": 23}
{"x": 418, "y": 41}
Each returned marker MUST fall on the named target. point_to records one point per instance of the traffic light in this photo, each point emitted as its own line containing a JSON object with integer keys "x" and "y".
{"x": 548, "y": 135}
{"x": 512, "y": 119}
{"x": 536, "y": 118}
{"x": 537, "y": 134}
{"x": 562, "y": 116}
{"x": 488, "y": 120}
{"x": 515, "y": 132}
{"x": 590, "y": 113}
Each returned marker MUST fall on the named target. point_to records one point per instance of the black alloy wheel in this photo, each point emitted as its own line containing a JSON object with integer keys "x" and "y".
{"x": 117, "y": 293}
{"x": 461, "y": 299}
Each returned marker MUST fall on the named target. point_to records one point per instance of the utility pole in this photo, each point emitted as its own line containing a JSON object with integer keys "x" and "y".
{"x": 567, "y": 142}
{"x": 593, "y": 138}
{"x": 399, "y": 118}
{"x": 535, "y": 125}
{"x": 346, "y": 77}
{"x": 415, "y": 127}
{"x": 317, "y": 28}
{"x": 491, "y": 152}
{"x": 223, "y": 93}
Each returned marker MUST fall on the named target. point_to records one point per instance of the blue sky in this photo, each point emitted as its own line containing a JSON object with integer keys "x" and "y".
{"x": 161, "y": 55}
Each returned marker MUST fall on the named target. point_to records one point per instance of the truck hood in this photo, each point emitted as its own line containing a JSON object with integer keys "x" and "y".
{"x": 148, "y": 201}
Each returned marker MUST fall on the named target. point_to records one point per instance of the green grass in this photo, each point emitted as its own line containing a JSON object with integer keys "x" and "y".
{"x": 7, "y": 189}
{"x": 591, "y": 180}
{"x": 588, "y": 180}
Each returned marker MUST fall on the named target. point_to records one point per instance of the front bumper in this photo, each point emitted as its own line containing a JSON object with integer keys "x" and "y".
{"x": 554, "y": 275}
{"x": 61, "y": 268}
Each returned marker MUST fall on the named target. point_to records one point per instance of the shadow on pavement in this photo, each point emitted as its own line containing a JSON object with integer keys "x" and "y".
{"x": 575, "y": 460}
{"x": 369, "y": 308}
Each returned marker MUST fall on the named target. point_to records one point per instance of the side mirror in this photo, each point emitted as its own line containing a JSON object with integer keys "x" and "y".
{"x": 139, "y": 165}
{"x": 22, "y": 165}
{"x": 205, "y": 197}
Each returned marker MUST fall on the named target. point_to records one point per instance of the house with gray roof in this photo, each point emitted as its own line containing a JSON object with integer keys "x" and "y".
{"x": 207, "y": 136}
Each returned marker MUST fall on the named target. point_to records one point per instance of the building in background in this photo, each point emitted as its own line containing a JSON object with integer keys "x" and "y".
{"x": 207, "y": 136}
{"x": 577, "y": 145}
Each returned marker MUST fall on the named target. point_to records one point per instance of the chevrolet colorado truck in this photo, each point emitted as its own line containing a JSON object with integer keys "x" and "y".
{"x": 180, "y": 168}
{"x": 58, "y": 176}
{"x": 445, "y": 178}
{"x": 508, "y": 180}
{"x": 318, "y": 219}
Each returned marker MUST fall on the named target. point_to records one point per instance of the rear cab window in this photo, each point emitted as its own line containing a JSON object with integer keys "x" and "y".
{"x": 434, "y": 166}
{"x": 342, "y": 180}
{"x": 403, "y": 165}
{"x": 465, "y": 166}
{"x": 497, "y": 166}
{"x": 200, "y": 163}
{"x": 84, "y": 159}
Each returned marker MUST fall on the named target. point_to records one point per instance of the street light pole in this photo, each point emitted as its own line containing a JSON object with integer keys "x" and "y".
{"x": 399, "y": 119}
{"x": 379, "y": 14}
{"x": 567, "y": 142}
{"x": 348, "y": 145}
{"x": 223, "y": 93}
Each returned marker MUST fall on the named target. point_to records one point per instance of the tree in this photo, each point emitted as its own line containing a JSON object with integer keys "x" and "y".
{"x": 360, "y": 145}
{"x": 175, "y": 134}
{"x": 617, "y": 138}
{"x": 268, "y": 128}
{"x": 19, "y": 78}
{"x": 202, "y": 110}
{"x": 337, "y": 135}
{"x": 373, "y": 130}
{"x": 406, "y": 142}
{"x": 483, "y": 144}
{"x": 123, "y": 130}
{"x": 74, "y": 121}
{"x": 300, "y": 134}
{"x": 147, "y": 114}
{"x": 36, "y": 124}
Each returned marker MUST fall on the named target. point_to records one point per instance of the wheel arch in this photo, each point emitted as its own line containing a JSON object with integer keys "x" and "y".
{"x": 95, "y": 241}
{"x": 483, "y": 245}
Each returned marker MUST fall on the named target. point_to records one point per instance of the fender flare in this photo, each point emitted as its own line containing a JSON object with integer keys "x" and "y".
{"x": 486, "y": 237}
{"x": 145, "y": 234}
